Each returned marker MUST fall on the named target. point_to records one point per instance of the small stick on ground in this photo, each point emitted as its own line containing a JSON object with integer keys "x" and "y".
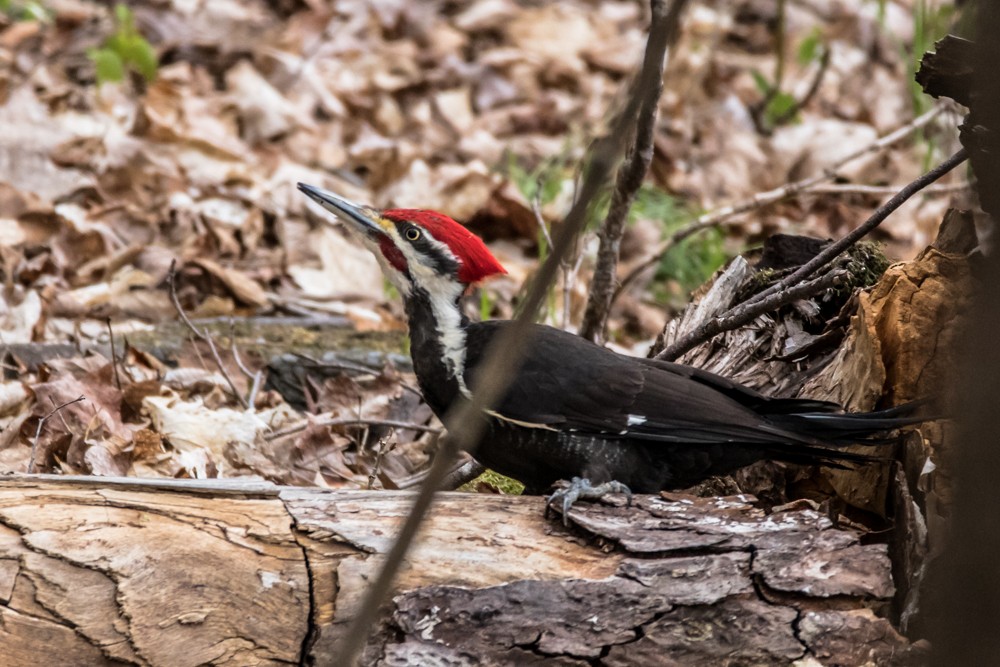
{"x": 202, "y": 335}
{"x": 884, "y": 190}
{"x": 255, "y": 377}
{"x": 373, "y": 475}
{"x": 762, "y": 302}
{"x": 114, "y": 354}
{"x": 41, "y": 424}
{"x": 351, "y": 421}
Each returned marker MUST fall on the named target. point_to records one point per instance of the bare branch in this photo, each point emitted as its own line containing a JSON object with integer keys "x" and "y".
{"x": 203, "y": 335}
{"x": 762, "y": 302}
{"x": 255, "y": 377}
{"x": 748, "y": 311}
{"x": 373, "y": 475}
{"x": 114, "y": 354}
{"x": 41, "y": 424}
{"x": 461, "y": 472}
{"x": 351, "y": 421}
{"x": 722, "y": 216}
{"x": 790, "y": 113}
{"x": 464, "y": 420}
{"x": 884, "y": 190}
{"x": 631, "y": 174}
{"x": 829, "y": 253}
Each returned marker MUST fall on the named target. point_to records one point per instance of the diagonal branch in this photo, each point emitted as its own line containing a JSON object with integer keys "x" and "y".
{"x": 831, "y": 252}
{"x": 723, "y": 215}
{"x": 728, "y": 321}
{"x": 464, "y": 420}
{"x": 629, "y": 180}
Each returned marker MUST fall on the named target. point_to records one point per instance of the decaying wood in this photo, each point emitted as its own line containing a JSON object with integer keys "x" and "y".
{"x": 895, "y": 342}
{"x": 122, "y": 571}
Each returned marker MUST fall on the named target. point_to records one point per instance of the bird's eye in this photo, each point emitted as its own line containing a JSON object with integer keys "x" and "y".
{"x": 412, "y": 234}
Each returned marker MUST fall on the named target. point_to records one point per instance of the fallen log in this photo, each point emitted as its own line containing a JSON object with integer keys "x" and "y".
{"x": 112, "y": 571}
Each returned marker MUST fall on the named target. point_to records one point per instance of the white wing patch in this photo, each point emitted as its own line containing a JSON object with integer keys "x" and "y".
{"x": 636, "y": 420}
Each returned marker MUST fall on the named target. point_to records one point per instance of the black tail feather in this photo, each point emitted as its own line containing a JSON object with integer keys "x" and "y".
{"x": 848, "y": 427}
{"x": 831, "y": 431}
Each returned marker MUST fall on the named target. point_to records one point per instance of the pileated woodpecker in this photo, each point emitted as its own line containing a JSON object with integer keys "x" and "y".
{"x": 576, "y": 409}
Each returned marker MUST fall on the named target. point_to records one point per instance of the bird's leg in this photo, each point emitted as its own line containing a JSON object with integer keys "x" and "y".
{"x": 581, "y": 488}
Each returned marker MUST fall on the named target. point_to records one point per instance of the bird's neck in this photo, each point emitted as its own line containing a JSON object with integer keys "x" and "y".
{"x": 437, "y": 344}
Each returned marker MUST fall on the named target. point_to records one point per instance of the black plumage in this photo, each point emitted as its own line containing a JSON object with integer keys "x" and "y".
{"x": 578, "y": 410}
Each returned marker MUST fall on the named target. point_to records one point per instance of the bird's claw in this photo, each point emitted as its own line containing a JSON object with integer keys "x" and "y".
{"x": 581, "y": 488}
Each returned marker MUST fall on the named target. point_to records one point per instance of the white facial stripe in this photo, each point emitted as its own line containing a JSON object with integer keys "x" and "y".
{"x": 444, "y": 292}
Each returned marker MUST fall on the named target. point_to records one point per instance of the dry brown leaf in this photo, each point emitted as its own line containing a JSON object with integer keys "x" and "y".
{"x": 345, "y": 269}
{"x": 201, "y": 434}
{"x": 244, "y": 288}
{"x": 13, "y": 396}
{"x": 265, "y": 114}
{"x": 19, "y": 317}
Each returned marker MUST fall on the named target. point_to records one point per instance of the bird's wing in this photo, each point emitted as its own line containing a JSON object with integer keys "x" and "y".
{"x": 568, "y": 383}
{"x": 742, "y": 394}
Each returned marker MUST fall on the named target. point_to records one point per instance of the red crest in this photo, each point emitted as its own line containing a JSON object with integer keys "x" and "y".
{"x": 476, "y": 262}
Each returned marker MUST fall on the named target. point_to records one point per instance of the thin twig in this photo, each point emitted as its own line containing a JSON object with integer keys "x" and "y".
{"x": 729, "y": 320}
{"x": 758, "y": 111}
{"x": 722, "y": 215}
{"x": 630, "y": 176}
{"x": 203, "y": 335}
{"x": 536, "y": 209}
{"x": 373, "y": 475}
{"x": 351, "y": 421}
{"x": 829, "y": 253}
{"x": 464, "y": 420}
{"x": 883, "y": 190}
{"x": 792, "y": 111}
{"x": 460, "y": 473}
{"x": 569, "y": 280}
{"x": 41, "y": 424}
{"x": 568, "y": 274}
{"x": 748, "y": 311}
{"x": 114, "y": 354}
{"x": 255, "y": 377}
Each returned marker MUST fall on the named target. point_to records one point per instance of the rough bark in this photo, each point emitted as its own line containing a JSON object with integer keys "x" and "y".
{"x": 122, "y": 571}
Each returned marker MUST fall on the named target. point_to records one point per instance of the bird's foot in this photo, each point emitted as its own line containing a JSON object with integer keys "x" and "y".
{"x": 580, "y": 488}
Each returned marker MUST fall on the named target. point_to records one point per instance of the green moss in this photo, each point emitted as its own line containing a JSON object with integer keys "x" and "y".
{"x": 505, "y": 485}
{"x": 866, "y": 265}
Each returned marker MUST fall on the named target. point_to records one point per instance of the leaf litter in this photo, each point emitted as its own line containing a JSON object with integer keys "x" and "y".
{"x": 104, "y": 185}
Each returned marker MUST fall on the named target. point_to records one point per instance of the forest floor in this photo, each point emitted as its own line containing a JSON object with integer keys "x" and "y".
{"x": 173, "y": 134}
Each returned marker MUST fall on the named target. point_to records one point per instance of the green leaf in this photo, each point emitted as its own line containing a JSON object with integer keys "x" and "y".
{"x": 763, "y": 85}
{"x": 779, "y": 108}
{"x": 140, "y": 56}
{"x": 485, "y": 305}
{"x": 123, "y": 16}
{"x": 34, "y": 11}
{"x": 809, "y": 48}
{"x": 107, "y": 65}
